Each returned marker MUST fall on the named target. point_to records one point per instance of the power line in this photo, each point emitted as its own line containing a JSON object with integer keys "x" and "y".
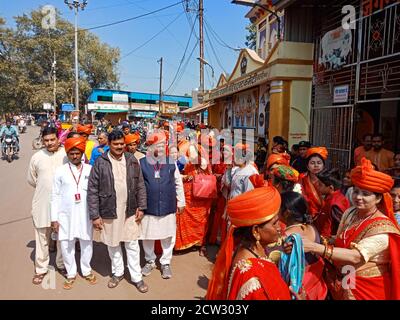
{"x": 154, "y": 36}
{"x": 185, "y": 66}
{"x": 213, "y": 50}
{"x": 172, "y": 35}
{"x": 218, "y": 38}
{"x": 183, "y": 57}
{"x": 133, "y": 18}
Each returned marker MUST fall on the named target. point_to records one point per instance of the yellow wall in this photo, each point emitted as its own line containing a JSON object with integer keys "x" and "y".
{"x": 300, "y": 104}
{"x": 214, "y": 115}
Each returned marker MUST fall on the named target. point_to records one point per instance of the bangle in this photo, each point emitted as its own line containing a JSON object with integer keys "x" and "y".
{"x": 330, "y": 252}
{"x": 325, "y": 247}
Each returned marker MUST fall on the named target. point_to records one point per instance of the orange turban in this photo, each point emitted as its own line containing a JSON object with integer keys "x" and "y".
{"x": 278, "y": 158}
{"x": 132, "y": 137}
{"x": 84, "y": 129}
{"x": 242, "y": 146}
{"x": 321, "y": 151}
{"x": 156, "y": 137}
{"x": 79, "y": 143}
{"x": 366, "y": 178}
{"x": 250, "y": 208}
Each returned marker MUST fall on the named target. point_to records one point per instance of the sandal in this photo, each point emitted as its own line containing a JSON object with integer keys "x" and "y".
{"x": 203, "y": 251}
{"x": 68, "y": 283}
{"x": 141, "y": 286}
{"x": 91, "y": 278}
{"x": 38, "y": 278}
{"x": 62, "y": 271}
{"x": 114, "y": 281}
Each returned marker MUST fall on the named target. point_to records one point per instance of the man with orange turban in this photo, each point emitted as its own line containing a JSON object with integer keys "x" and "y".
{"x": 254, "y": 225}
{"x": 69, "y": 215}
{"x": 368, "y": 239}
{"x": 85, "y": 132}
{"x": 276, "y": 159}
{"x": 132, "y": 141}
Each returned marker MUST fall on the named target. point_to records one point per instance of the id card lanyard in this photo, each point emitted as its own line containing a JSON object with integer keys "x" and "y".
{"x": 157, "y": 169}
{"x": 77, "y": 194}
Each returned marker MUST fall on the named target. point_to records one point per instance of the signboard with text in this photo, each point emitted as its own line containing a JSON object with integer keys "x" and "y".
{"x": 341, "y": 94}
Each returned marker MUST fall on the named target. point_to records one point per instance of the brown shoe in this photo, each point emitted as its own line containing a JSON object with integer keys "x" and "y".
{"x": 114, "y": 281}
{"x": 141, "y": 286}
{"x": 38, "y": 278}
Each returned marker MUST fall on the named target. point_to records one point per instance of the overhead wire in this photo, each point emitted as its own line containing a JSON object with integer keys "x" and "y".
{"x": 218, "y": 38}
{"x": 153, "y": 37}
{"x": 214, "y": 51}
{"x": 183, "y": 57}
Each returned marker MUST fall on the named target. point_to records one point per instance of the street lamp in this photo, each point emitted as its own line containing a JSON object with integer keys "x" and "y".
{"x": 76, "y": 5}
{"x": 250, "y": 3}
{"x": 206, "y": 62}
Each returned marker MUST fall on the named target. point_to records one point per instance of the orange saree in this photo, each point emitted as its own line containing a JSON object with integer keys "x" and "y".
{"x": 311, "y": 194}
{"x": 380, "y": 282}
{"x": 191, "y": 225}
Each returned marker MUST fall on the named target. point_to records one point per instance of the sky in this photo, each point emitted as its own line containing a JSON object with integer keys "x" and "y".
{"x": 171, "y": 28}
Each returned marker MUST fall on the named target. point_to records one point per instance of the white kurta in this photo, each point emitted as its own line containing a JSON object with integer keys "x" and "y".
{"x": 41, "y": 172}
{"x": 72, "y": 216}
{"x": 154, "y": 227}
{"x": 240, "y": 182}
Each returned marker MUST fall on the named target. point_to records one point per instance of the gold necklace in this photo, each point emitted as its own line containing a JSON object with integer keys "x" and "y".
{"x": 357, "y": 225}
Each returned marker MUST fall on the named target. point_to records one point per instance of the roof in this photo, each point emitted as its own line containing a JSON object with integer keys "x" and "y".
{"x": 93, "y": 97}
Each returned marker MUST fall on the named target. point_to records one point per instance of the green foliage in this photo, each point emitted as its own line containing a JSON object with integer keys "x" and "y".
{"x": 251, "y": 38}
{"x": 26, "y": 58}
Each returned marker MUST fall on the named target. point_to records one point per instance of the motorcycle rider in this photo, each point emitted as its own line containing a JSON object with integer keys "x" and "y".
{"x": 9, "y": 130}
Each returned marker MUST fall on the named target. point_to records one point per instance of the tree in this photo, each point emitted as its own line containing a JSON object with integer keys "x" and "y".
{"x": 251, "y": 38}
{"x": 26, "y": 58}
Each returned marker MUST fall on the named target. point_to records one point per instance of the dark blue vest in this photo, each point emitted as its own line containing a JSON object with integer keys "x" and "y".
{"x": 161, "y": 193}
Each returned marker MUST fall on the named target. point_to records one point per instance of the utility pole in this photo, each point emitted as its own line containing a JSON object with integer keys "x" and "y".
{"x": 76, "y": 5}
{"x": 54, "y": 82}
{"x": 201, "y": 12}
{"x": 161, "y": 97}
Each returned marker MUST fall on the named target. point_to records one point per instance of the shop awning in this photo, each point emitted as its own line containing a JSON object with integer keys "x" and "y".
{"x": 109, "y": 111}
{"x": 198, "y": 107}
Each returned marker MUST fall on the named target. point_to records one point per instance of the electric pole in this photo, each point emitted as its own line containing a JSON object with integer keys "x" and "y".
{"x": 54, "y": 83}
{"x": 76, "y": 5}
{"x": 160, "y": 98}
{"x": 201, "y": 12}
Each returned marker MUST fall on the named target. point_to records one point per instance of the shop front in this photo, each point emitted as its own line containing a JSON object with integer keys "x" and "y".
{"x": 271, "y": 97}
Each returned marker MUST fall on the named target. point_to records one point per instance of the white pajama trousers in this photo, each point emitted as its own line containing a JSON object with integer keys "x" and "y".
{"x": 167, "y": 247}
{"x": 68, "y": 253}
{"x": 133, "y": 256}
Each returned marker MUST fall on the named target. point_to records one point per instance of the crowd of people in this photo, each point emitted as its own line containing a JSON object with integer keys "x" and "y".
{"x": 287, "y": 226}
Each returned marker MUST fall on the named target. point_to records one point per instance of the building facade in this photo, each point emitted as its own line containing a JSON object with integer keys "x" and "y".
{"x": 269, "y": 89}
{"x": 117, "y": 104}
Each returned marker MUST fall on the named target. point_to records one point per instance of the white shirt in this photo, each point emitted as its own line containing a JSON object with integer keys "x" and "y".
{"x": 72, "y": 216}
{"x": 41, "y": 172}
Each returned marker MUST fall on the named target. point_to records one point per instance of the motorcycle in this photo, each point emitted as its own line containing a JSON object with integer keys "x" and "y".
{"x": 9, "y": 148}
{"x": 22, "y": 126}
{"x": 100, "y": 129}
{"x": 37, "y": 143}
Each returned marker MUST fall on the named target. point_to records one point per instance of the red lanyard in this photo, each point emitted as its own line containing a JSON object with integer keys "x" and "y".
{"x": 80, "y": 174}
{"x": 158, "y": 167}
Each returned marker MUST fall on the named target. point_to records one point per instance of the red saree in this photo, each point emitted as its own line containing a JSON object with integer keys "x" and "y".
{"x": 257, "y": 279}
{"x": 382, "y": 284}
{"x": 324, "y": 222}
{"x": 218, "y": 224}
{"x": 313, "y": 282}
{"x": 191, "y": 225}
{"x": 311, "y": 194}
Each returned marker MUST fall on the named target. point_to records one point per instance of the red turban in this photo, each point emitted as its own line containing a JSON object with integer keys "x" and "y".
{"x": 156, "y": 137}
{"x": 132, "y": 137}
{"x": 278, "y": 158}
{"x": 84, "y": 129}
{"x": 366, "y": 178}
{"x": 79, "y": 143}
{"x": 321, "y": 151}
{"x": 250, "y": 208}
{"x": 286, "y": 173}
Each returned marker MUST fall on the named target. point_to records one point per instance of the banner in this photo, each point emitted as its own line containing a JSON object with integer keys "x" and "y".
{"x": 335, "y": 48}
{"x": 245, "y": 105}
{"x": 263, "y": 110}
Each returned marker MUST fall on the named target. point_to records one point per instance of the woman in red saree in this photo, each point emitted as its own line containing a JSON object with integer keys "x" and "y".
{"x": 294, "y": 213}
{"x": 245, "y": 272}
{"x": 316, "y": 158}
{"x": 191, "y": 225}
{"x": 367, "y": 243}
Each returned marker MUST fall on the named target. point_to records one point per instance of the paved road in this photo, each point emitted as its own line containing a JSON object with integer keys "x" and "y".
{"x": 190, "y": 271}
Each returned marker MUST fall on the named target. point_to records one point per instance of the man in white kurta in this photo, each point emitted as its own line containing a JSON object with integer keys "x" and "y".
{"x": 159, "y": 223}
{"x": 69, "y": 215}
{"x": 41, "y": 171}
